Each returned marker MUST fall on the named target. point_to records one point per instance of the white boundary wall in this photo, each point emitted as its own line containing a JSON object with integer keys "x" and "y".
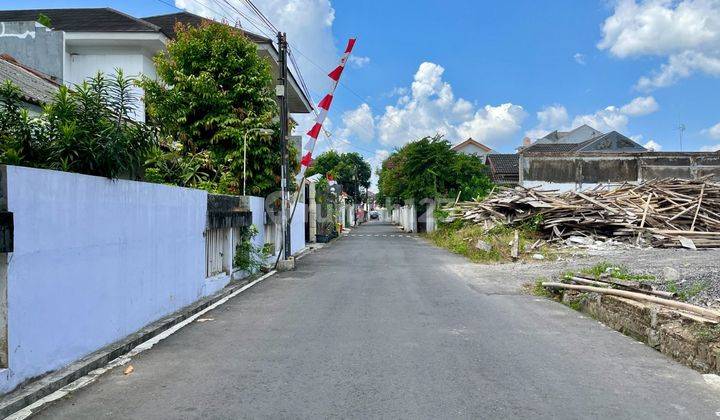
{"x": 94, "y": 261}
{"x": 97, "y": 259}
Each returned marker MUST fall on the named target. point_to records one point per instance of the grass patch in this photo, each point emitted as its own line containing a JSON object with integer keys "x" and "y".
{"x": 617, "y": 271}
{"x": 539, "y": 290}
{"x": 462, "y": 239}
{"x": 686, "y": 293}
{"x": 706, "y": 333}
{"x": 577, "y": 302}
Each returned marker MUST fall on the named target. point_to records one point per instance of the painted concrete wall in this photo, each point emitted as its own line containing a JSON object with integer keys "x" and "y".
{"x": 94, "y": 261}
{"x": 34, "y": 45}
{"x": 297, "y": 229}
{"x": 471, "y": 149}
{"x": 83, "y": 64}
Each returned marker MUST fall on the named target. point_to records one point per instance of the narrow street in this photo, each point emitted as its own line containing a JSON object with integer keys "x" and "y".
{"x": 377, "y": 325}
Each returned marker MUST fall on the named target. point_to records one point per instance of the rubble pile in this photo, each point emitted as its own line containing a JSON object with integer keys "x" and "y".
{"x": 661, "y": 213}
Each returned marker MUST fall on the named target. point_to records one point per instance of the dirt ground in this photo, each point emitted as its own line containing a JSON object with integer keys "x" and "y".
{"x": 694, "y": 272}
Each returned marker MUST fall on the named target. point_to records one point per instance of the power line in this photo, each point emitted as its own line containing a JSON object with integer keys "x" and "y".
{"x": 252, "y": 21}
{"x": 261, "y": 15}
{"x": 269, "y": 25}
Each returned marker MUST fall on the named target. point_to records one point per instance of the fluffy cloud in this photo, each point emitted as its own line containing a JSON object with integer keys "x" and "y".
{"x": 642, "y": 105}
{"x": 308, "y": 24}
{"x": 579, "y": 58}
{"x": 358, "y": 61}
{"x": 687, "y": 32}
{"x": 358, "y": 123}
{"x": 376, "y": 161}
{"x": 430, "y": 107}
{"x": 713, "y": 132}
{"x": 680, "y": 66}
{"x": 710, "y": 148}
{"x": 610, "y": 118}
{"x": 653, "y": 145}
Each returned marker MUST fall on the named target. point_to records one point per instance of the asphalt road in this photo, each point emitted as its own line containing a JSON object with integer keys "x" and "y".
{"x": 380, "y": 324}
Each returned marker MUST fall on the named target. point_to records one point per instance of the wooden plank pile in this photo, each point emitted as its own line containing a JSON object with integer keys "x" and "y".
{"x": 662, "y": 213}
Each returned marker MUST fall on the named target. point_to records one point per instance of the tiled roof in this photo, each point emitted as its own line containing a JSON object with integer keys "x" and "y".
{"x": 166, "y": 23}
{"x": 82, "y": 20}
{"x": 473, "y": 142}
{"x": 36, "y": 87}
{"x": 504, "y": 168}
{"x": 554, "y": 147}
{"x": 504, "y": 162}
{"x": 610, "y": 142}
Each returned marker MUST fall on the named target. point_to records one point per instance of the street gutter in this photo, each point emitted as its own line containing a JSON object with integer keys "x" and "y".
{"x": 22, "y": 402}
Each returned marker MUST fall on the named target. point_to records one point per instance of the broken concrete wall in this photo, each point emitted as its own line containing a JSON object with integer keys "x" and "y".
{"x": 582, "y": 170}
{"x": 685, "y": 166}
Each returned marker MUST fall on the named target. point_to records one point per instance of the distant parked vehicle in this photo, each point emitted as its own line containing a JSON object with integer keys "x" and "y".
{"x": 374, "y": 214}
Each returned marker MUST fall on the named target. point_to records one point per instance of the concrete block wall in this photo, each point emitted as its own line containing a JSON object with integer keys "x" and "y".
{"x": 97, "y": 259}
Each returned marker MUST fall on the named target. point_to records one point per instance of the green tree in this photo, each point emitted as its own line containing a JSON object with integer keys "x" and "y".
{"x": 212, "y": 87}
{"x": 350, "y": 170}
{"x": 429, "y": 168}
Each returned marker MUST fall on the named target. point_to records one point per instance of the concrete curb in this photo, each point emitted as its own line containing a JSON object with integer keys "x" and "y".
{"x": 672, "y": 333}
{"x": 34, "y": 391}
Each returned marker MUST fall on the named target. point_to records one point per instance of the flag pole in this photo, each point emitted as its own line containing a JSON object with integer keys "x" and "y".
{"x": 314, "y": 133}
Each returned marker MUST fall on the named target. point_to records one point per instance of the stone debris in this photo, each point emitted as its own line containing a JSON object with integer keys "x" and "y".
{"x": 483, "y": 246}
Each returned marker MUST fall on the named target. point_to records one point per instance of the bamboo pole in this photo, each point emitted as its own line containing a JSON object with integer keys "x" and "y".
{"x": 713, "y": 315}
{"x": 607, "y": 283}
{"x": 702, "y": 191}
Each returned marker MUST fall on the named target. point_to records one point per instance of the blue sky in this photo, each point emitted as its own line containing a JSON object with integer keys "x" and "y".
{"x": 496, "y": 71}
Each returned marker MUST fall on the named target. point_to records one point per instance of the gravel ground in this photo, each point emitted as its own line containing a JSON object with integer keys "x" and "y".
{"x": 694, "y": 272}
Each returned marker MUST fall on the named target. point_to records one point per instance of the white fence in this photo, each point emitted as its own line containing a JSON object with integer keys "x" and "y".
{"x": 96, "y": 259}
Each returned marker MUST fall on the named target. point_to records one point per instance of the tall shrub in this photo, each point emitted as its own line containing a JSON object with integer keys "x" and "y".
{"x": 87, "y": 130}
{"x": 213, "y": 87}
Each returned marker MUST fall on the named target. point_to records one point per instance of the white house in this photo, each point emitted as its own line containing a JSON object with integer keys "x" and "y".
{"x": 473, "y": 147}
{"x": 81, "y": 42}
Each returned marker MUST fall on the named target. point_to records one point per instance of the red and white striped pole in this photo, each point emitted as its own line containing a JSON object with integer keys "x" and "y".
{"x": 324, "y": 107}
{"x": 314, "y": 132}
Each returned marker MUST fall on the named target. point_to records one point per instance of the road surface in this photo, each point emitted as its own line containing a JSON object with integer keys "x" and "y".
{"x": 380, "y": 324}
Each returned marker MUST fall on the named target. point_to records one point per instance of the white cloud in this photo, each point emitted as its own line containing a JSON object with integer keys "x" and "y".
{"x": 358, "y": 123}
{"x": 687, "y": 32}
{"x": 680, "y": 66}
{"x": 430, "y": 107}
{"x": 308, "y": 24}
{"x": 710, "y": 148}
{"x": 610, "y": 118}
{"x": 579, "y": 58}
{"x": 358, "y": 61}
{"x": 642, "y": 105}
{"x": 376, "y": 161}
{"x": 653, "y": 145}
{"x": 713, "y": 132}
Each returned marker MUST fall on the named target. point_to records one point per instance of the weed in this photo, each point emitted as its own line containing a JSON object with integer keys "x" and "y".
{"x": 686, "y": 293}
{"x": 461, "y": 238}
{"x": 617, "y": 271}
{"x": 578, "y": 301}
{"x": 706, "y": 333}
{"x": 696, "y": 288}
{"x": 539, "y": 290}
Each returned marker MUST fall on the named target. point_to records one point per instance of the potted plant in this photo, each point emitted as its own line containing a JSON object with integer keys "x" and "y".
{"x": 325, "y": 232}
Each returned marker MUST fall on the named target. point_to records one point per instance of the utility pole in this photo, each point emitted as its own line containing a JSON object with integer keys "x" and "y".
{"x": 281, "y": 91}
{"x": 681, "y": 129}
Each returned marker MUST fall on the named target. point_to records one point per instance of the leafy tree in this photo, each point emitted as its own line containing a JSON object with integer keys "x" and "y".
{"x": 350, "y": 170}
{"x": 428, "y": 168}
{"x": 212, "y": 88}
{"x": 86, "y": 130}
